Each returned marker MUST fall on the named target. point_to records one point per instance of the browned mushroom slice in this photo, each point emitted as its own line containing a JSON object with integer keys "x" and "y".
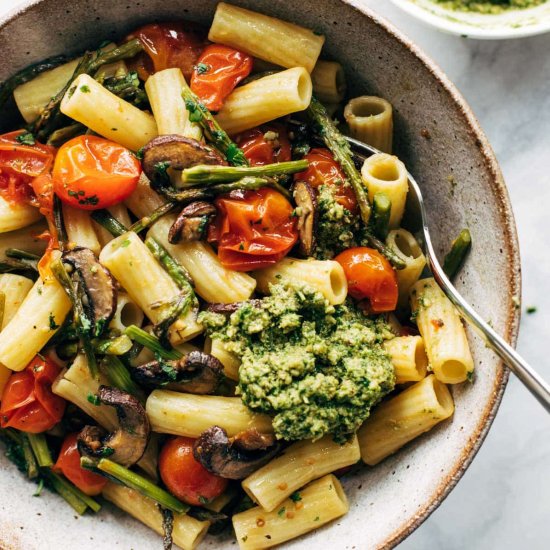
{"x": 127, "y": 444}
{"x": 234, "y": 458}
{"x": 96, "y": 286}
{"x": 177, "y": 152}
{"x": 192, "y": 222}
{"x": 196, "y": 372}
{"x": 228, "y": 309}
{"x": 306, "y": 203}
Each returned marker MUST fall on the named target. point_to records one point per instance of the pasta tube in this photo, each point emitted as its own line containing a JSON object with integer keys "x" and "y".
{"x": 15, "y": 216}
{"x": 406, "y": 247}
{"x": 147, "y": 284}
{"x": 402, "y": 418}
{"x": 15, "y": 289}
{"x": 327, "y": 277}
{"x": 36, "y": 320}
{"x": 228, "y": 359}
{"x": 444, "y": 336}
{"x": 266, "y": 99}
{"x": 298, "y": 465}
{"x": 370, "y": 119}
{"x": 187, "y": 532}
{"x": 409, "y": 359}
{"x": 75, "y": 384}
{"x": 34, "y": 95}
{"x": 329, "y": 81}
{"x": 164, "y": 92}
{"x": 213, "y": 282}
{"x": 316, "y": 504}
{"x": 25, "y": 239}
{"x": 189, "y": 415}
{"x": 80, "y": 228}
{"x": 266, "y": 37}
{"x": 384, "y": 173}
{"x": 127, "y": 313}
{"x": 144, "y": 200}
{"x": 89, "y": 103}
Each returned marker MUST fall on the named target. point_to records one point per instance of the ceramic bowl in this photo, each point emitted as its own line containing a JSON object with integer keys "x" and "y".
{"x": 439, "y": 139}
{"x": 508, "y": 24}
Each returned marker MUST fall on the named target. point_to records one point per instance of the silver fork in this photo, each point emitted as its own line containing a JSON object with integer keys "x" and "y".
{"x": 416, "y": 210}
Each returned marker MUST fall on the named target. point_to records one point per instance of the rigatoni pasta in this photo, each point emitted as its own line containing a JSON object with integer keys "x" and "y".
{"x": 103, "y": 112}
{"x": 409, "y": 359}
{"x": 268, "y": 38}
{"x": 444, "y": 336}
{"x": 329, "y": 81}
{"x": 14, "y": 216}
{"x": 370, "y": 119}
{"x": 15, "y": 289}
{"x": 316, "y": 504}
{"x": 266, "y": 99}
{"x": 404, "y": 417}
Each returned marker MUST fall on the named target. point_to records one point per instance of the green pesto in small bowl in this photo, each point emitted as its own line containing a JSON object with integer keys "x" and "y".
{"x": 490, "y": 7}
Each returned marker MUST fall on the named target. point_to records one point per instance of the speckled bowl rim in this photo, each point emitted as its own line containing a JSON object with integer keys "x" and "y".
{"x": 510, "y": 242}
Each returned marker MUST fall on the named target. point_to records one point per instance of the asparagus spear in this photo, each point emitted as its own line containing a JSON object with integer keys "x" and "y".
{"x": 59, "y": 137}
{"x": 28, "y": 73}
{"x": 151, "y": 342}
{"x": 40, "y": 449}
{"x": 212, "y": 130}
{"x": 149, "y": 220}
{"x": 203, "y": 174}
{"x": 340, "y": 148}
{"x": 381, "y": 210}
{"x": 130, "y": 479}
{"x": 119, "y": 376}
{"x": 83, "y": 324}
{"x": 90, "y": 63}
{"x": 109, "y": 222}
{"x": 459, "y": 248}
{"x": 172, "y": 267}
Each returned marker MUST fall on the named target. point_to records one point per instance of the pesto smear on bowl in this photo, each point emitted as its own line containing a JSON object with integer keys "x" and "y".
{"x": 316, "y": 368}
{"x": 488, "y": 6}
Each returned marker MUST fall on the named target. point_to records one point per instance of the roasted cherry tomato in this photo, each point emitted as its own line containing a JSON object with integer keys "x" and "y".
{"x": 91, "y": 172}
{"x": 265, "y": 145}
{"x": 324, "y": 170}
{"x": 174, "y": 44}
{"x": 218, "y": 70}
{"x": 186, "y": 478}
{"x": 28, "y": 403}
{"x": 20, "y": 162}
{"x": 68, "y": 464}
{"x": 253, "y": 229}
{"x": 370, "y": 276}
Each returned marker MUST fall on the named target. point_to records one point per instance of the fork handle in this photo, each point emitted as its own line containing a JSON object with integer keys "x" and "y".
{"x": 526, "y": 374}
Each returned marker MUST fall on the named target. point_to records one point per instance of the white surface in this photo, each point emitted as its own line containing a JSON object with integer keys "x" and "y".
{"x": 508, "y": 24}
{"x": 503, "y": 501}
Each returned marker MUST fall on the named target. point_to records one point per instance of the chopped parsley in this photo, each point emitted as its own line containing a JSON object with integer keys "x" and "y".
{"x": 53, "y": 324}
{"x": 281, "y": 512}
{"x": 26, "y": 138}
{"x": 85, "y": 89}
{"x": 202, "y": 68}
{"x": 531, "y": 309}
{"x": 93, "y": 399}
{"x": 125, "y": 243}
{"x": 295, "y": 497}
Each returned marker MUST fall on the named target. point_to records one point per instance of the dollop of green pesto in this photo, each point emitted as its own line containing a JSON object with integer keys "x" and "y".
{"x": 338, "y": 229}
{"x": 316, "y": 368}
{"x": 490, "y": 7}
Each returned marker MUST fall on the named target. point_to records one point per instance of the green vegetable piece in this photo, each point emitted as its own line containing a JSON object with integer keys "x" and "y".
{"x": 381, "y": 206}
{"x": 456, "y": 256}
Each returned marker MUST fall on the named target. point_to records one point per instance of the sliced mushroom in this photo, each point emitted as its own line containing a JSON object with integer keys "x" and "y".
{"x": 95, "y": 284}
{"x": 228, "y": 309}
{"x": 176, "y": 152}
{"x": 127, "y": 444}
{"x": 234, "y": 458}
{"x": 192, "y": 222}
{"x": 306, "y": 203}
{"x": 196, "y": 372}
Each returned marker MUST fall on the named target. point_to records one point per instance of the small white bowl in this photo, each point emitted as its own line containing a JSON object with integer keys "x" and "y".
{"x": 508, "y": 24}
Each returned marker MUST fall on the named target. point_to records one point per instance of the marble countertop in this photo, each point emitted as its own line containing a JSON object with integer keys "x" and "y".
{"x": 503, "y": 500}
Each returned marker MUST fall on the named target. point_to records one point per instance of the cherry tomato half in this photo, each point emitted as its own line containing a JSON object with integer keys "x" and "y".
{"x": 174, "y": 44}
{"x": 186, "y": 478}
{"x": 370, "y": 276}
{"x": 324, "y": 170}
{"x": 28, "y": 403}
{"x": 68, "y": 464}
{"x": 218, "y": 70}
{"x": 20, "y": 164}
{"x": 253, "y": 229}
{"x": 265, "y": 144}
{"x": 91, "y": 172}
